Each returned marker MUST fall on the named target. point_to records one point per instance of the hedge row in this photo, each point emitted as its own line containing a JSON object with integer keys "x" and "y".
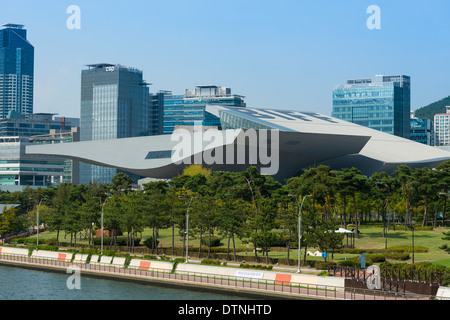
{"x": 120, "y": 241}
{"x": 397, "y": 249}
{"x": 255, "y": 266}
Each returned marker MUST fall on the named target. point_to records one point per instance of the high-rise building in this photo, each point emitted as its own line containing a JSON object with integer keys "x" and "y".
{"x": 422, "y": 131}
{"x": 16, "y": 70}
{"x": 114, "y": 104}
{"x": 156, "y": 114}
{"x": 19, "y": 169}
{"x": 71, "y": 167}
{"x": 442, "y": 128}
{"x": 27, "y": 125}
{"x": 189, "y": 109}
{"x": 381, "y": 102}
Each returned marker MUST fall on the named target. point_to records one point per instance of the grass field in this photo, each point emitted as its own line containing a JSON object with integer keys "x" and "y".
{"x": 370, "y": 238}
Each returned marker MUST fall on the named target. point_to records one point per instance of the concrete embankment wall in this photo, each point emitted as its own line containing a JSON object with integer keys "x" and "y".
{"x": 284, "y": 278}
{"x": 279, "y": 277}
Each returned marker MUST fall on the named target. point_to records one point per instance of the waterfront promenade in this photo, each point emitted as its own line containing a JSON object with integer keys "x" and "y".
{"x": 263, "y": 284}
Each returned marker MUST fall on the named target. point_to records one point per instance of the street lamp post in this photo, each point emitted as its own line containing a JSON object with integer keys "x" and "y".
{"x": 187, "y": 227}
{"x": 103, "y": 211}
{"x": 37, "y": 222}
{"x": 299, "y": 226}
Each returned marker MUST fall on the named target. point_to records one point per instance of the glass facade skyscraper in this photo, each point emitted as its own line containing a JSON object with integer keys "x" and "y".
{"x": 381, "y": 102}
{"x": 16, "y": 70}
{"x": 189, "y": 109}
{"x": 19, "y": 169}
{"x": 114, "y": 104}
{"x": 422, "y": 131}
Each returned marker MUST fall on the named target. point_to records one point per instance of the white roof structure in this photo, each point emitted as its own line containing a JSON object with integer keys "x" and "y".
{"x": 294, "y": 141}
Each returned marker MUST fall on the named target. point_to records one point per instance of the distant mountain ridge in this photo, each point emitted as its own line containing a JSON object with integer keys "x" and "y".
{"x": 430, "y": 110}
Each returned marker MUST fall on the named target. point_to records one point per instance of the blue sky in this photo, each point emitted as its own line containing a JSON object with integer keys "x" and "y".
{"x": 286, "y": 54}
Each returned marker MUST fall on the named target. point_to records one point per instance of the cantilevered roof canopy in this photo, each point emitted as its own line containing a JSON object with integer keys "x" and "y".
{"x": 296, "y": 140}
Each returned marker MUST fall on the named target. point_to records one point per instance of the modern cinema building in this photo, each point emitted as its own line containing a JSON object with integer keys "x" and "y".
{"x": 279, "y": 142}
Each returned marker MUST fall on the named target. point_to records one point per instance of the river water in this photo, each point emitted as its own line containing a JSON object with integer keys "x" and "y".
{"x": 25, "y": 284}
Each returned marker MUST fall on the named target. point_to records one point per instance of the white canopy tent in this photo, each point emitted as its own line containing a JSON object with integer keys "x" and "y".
{"x": 347, "y": 232}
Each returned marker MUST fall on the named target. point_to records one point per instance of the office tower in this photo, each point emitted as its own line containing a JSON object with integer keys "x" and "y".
{"x": 442, "y": 128}
{"x": 381, "y": 102}
{"x": 156, "y": 114}
{"x": 16, "y": 70}
{"x": 114, "y": 104}
{"x": 189, "y": 109}
{"x": 19, "y": 169}
{"x": 71, "y": 169}
{"x": 422, "y": 131}
{"x": 27, "y": 125}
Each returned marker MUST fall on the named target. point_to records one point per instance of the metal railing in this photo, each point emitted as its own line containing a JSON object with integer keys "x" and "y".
{"x": 236, "y": 282}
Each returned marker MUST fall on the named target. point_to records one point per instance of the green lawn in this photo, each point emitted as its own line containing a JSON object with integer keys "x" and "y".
{"x": 370, "y": 238}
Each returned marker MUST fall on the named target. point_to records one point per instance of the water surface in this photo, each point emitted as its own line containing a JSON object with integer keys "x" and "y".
{"x": 26, "y": 284}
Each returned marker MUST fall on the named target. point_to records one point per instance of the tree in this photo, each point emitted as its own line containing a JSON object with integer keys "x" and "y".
{"x": 204, "y": 218}
{"x": 288, "y": 219}
{"x": 114, "y": 211}
{"x": 404, "y": 178}
{"x": 231, "y": 213}
{"x": 196, "y": 169}
{"x": 261, "y": 188}
{"x": 72, "y": 221}
{"x": 318, "y": 182}
{"x": 10, "y": 221}
{"x": 445, "y": 247}
{"x": 121, "y": 183}
{"x": 351, "y": 182}
{"x": 324, "y": 235}
{"x": 384, "y": 187}
{"x": 133, "y": 218}
{"x": 157, "y": 210}
{"x": 60, "y": 202}
{"x": 443, "y": 171}
{"x": 425, "y": 182}
{"x": 230, "y": 191}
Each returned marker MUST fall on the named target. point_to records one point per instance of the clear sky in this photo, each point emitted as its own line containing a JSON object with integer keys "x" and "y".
{"x": 285, "y": 54}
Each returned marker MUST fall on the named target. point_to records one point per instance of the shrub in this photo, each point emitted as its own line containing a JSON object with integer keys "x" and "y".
{"x": 215, "y": 241}
{"x": 89, "y": 251}
{"x": 255, "y": 266}
{"x": 426, "y": 228}
{"x": 47, "y": 248}
{"x": 398, "y": 256}
{"x": 210, "y": 262}
{"x": 175, "y": 263}
{"x": 51, "y": 242}
{"x": 407, "y": 249}
{"x": 149, "y": 243}
{"x": 324, "y": 265}
{"x": 376, "y": 257}
{"x": 110, "y": 253}
{"x": 349, "y": 263}
{"x": 127, "y": 261}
